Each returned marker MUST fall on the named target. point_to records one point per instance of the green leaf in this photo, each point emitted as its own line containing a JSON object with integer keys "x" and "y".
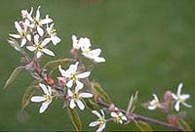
{"x": 74, "y": 118}
{"x": 143, "y": 126}
{"x": 100, "y": 91}
{"x": 184, "y": 125}
{"x": 54, "y": 64}
{"x": 28, "y": 94}
{"x": 13, "y": 76}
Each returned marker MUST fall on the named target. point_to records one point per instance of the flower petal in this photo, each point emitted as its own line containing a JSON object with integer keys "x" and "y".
{"x": 84, "y": 74}
{"x": 86, "y": 95}
{"x": 186, "y": 105}
{"x": 18, "y": 27}
{"x": 95, "y": 52}
{"x": 69, "y": 83}
{"x": 40, "y": 30}
{"x": 80, "y": 85}
{"x": 70, "y": 93}
{"x": 23, "y": 42}
{"x": 99, "y": 59}
{"x": 185, "y": 96}
{"x": 94, "y": 123}
{"x": 45, "y": 41}
{"x": 62, "y": 71}
{"x": 101, "y": 127}
{"x": 73, "y": 68}
{"x": 177, "y": 106}
{"x": 124, "y": 118}
{"x": 37, "y": 99}
{"x": 113, "y": 114}
{"x": 46, "y": 21}
{"x": 38, "y": 13}
{"x": 72, "y": 104}
{"x": 85, "y": 44}
{"x": 80, "y": 104}
{"x": 55, "y": 39}
{"x": 36, "y": 39}
{"x": 44, "y": 106}
{"x": 75, "y": 42}
{"x": 39, "y": 54}
{"x": 96, "y": 113}
{"x": 179, "y": 89}
{"x": 44, "y": 88}
{"x": 15, "y": 35}
{"x": 174, "y": 96}
{"x": 31, "y": 48}
{"x": 48, "y": 52}
{"x": 152, "y": 107}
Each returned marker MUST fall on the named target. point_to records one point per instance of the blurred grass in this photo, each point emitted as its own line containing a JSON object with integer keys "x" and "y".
{"x": 149, "y": 46}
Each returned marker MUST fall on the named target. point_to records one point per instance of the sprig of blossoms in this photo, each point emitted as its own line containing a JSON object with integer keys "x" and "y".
{"x": 35, "y": 32}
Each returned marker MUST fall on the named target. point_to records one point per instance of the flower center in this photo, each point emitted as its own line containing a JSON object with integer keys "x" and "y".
{"x": 36, "y": 22}
{"x": 23, "y": 34}
{"x": 73, "y": 77}
{"x": 39, "y": 47}
{"x": 101, "y": 121}
{"x": 47, "y": 97}
{"x": 53, "y": 31}
{"x": 75, "y": 96}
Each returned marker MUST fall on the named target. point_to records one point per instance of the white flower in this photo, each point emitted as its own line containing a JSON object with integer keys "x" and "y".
{"x": 119, "y": 117}
{"x": 39, "y": 47}
{"x": 154, "y": 103}
{"x": 85, "y": 45}
{"x": 38, "y": 22}
{"x": 22, "y": 33}
{"x": 46, "y": 99}
{"x": 101, "y": 120}
{"x": 73, "y": 76}
{"x": 75, "y": 43}
{"x": 52, "y": 33}
{"x": 180, "y": 98}
{"x": 75, "y": 98}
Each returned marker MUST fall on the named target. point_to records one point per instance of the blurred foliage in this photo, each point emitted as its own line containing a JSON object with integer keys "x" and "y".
{"x": 149, "y": 47}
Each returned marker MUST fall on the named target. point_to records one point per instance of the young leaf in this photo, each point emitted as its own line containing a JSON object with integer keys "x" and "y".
{"x": 28, "y": 94}
{"x": 184, "y": 125}
{"x": 13, "y": 76}
{"x": 143, "y": 126}
{"x": 100, "y": 91}
{"x": 54, "y": 64}
{"x": 74, "y": 118}
{"x": 132, "y": 102}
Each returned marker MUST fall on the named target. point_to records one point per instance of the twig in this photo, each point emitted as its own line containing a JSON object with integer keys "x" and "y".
{"x": 138, "y": 117}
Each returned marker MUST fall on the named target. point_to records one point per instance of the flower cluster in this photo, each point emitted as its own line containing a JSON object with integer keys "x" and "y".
{"x": 35, "y": 33}
{"x": 85, "y": 45}
{"x": 168, "y": 99}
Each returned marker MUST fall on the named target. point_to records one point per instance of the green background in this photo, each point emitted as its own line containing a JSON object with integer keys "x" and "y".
{"x": 149, "y": 46}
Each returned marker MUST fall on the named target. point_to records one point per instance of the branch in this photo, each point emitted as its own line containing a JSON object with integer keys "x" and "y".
{"x": 141, "y": 118}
